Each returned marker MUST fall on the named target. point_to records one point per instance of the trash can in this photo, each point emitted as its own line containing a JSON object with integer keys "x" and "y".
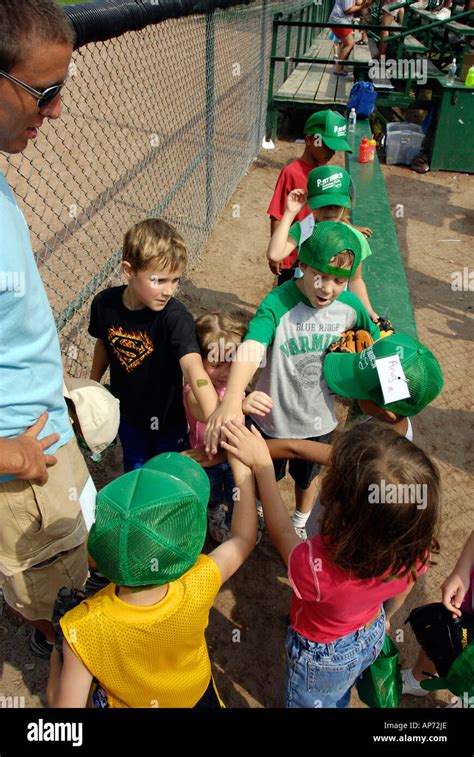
{"x": 403, "y": 142}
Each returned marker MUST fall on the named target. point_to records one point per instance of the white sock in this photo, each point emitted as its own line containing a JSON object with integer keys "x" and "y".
{"x": 259, "y": 507}
{"x": 299, "y": 519}
{"x": 411, "y": 680}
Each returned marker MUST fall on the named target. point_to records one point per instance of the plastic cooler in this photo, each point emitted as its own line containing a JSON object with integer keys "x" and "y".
{"x": 403, "y": 142}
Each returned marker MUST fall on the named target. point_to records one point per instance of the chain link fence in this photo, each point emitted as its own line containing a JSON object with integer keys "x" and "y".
{"x": 158, "y": 122}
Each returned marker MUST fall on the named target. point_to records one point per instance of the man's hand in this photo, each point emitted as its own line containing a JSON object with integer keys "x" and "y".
{"x": 296, "y": 201}
{"x": 248, "y": 446}
{"x": 275, "y": 266}
{"x": 27, "y": 452}
{"x": 257, "y": 403}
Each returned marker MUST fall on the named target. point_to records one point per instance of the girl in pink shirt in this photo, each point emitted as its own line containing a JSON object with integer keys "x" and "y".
{"x": 218, "y": 335}
{"x": 381, "y": 495}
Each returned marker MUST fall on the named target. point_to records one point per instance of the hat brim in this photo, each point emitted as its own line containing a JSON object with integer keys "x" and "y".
{"x": 337, "y": 143}
{"x": 320, "y": 201}
{"x": 341, "y": 377}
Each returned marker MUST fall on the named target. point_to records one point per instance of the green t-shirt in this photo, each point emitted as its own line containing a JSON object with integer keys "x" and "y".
{"x": 297, "y": 335}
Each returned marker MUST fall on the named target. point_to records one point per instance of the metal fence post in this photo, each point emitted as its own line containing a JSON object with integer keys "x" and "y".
{"x": 210, "y": 120}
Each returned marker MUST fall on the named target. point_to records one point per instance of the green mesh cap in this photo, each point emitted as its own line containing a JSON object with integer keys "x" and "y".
{"x": 327, "y": 240}
{"x": 460, "y": 677}
{"x": 356, "y": 376}
{"x": 151, "y": 523}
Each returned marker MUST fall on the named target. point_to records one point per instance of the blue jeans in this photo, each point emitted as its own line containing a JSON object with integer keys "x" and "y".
{"x": 222, "y": 488}
{"x": 322, "y": 675}
{"x": 139, "y": 445}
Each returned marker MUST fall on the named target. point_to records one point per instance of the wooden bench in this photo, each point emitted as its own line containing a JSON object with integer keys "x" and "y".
{"x": 413, "y": 45}
{"x": 316, "y": 83}
{"x": 384, "y": 272}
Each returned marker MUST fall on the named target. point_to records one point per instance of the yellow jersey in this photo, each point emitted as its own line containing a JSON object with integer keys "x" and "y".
{"x": 152, "y": 656}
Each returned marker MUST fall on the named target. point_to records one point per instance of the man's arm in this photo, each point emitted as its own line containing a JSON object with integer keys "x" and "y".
{"x": 100, "y": 361}
{"x": 69, "y": 681}
{"x": 247, "y": 360}
{"x": 24, "y": 457}
{"x": 200, "y": 383}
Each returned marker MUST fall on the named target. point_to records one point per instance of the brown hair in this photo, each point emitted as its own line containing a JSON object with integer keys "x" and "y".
{"x": 343, "y": 259}
{"x": 368, "y": 524}
{"x": 156, "y": 242}
{"x": 218, "y": 329}
{"x": 23, "y": 22}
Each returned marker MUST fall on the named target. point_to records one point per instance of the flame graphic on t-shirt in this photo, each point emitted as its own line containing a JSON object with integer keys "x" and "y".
{"x": 130, "y": 347}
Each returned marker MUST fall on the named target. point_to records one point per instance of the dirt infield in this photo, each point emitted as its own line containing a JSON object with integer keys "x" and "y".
{"x": 232, "y": 271}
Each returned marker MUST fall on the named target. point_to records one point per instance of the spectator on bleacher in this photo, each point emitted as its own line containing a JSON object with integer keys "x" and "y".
{"x": 341, "y": 12}
{"x": 42, "y": 472}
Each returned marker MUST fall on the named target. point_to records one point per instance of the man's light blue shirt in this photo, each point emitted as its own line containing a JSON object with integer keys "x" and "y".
{"x": 31, "y": 372}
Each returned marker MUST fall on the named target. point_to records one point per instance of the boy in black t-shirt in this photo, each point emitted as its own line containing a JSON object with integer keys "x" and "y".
{"x": 148, "y": 340}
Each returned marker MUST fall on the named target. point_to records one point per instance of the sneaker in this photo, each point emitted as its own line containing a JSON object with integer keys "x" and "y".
{"x": 442, "y": 14}
{"x": 96, "y": 581}
{"x": 216, "y": 525}
{"x": 39, "y": 645}
{"x": 301, "y": 532}
{"x": 410, "y": 685}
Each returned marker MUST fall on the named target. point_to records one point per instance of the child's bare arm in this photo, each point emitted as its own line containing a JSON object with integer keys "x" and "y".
{"x": 199, "y": 455}
{"x": 457, "y": 583}
{"x": 69, "y": 681}
{"x": 280, "y": 244}
{"x": 202, "y": 391}
{"x": 394, "y": 603}
{"x": 230, "y": 555}
{"x": 248, "y": 358}
{"x": 250, "y": 448}
{"x": 300, "y": 449}
{"x": 357, "y": 285}
{"x": 100, "y": 361}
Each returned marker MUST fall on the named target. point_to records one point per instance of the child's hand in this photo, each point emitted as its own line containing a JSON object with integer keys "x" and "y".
{"x": 248, "y": 446}
{"x": 216, "y": 421}
{"x": 364, "y": 230}
{"x": 199, "y": 456}
{"x": 275, "y": 266}
{"x": 373, "y": 315}
{"x": 296, "y": 201}
{"x": 257, "y": 403}
{"x": 454, "y": 590}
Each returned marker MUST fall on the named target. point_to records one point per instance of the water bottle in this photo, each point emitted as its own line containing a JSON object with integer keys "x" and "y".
{"x": 352, "y": 120}
{"x": 451, "y": 72}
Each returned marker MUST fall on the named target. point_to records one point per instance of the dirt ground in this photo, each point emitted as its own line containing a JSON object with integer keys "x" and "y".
{"x": 248, "y": 623}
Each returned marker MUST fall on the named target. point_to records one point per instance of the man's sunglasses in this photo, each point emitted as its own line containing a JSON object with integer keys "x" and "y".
{"x": 45, "y": 97}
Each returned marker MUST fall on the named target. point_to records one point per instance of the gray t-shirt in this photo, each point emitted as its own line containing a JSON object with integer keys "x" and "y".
{"x": 297, "y": 335}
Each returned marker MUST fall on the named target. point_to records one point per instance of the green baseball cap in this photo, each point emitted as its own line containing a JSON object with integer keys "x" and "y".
{"x": 460, "y": 677}
{"x": 329, "y": 185}
{"x": 331, "y": 126}
{"x": 328, "y": 238}
{"x": 151, "y": 523}
{"x": 356, "y": 376}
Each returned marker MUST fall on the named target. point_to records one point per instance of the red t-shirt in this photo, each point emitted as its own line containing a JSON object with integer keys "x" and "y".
{"x": 328, "y": 603}
{"x": 293, "y": 176}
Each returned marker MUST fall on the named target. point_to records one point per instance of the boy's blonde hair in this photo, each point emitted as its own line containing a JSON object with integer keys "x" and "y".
{"x": 213, "y": 327}
{"x": 343, "y": 259}
{"x": 154, "y": 242}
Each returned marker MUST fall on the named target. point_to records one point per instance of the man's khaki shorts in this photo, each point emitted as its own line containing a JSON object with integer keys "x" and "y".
{"x": 43, "y": 535}
{"x": 32, "y": 593}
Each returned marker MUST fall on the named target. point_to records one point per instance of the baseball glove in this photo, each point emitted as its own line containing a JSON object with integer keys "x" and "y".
{"x": 441, "y": 636}
{"x": 356, "y": 340}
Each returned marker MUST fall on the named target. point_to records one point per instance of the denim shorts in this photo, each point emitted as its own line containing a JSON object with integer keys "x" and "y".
{"x": 322, "y": 675}
{"x": 222, "y": 488}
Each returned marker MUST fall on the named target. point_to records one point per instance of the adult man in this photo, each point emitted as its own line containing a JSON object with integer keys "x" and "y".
{"x": 42, "y": 472}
